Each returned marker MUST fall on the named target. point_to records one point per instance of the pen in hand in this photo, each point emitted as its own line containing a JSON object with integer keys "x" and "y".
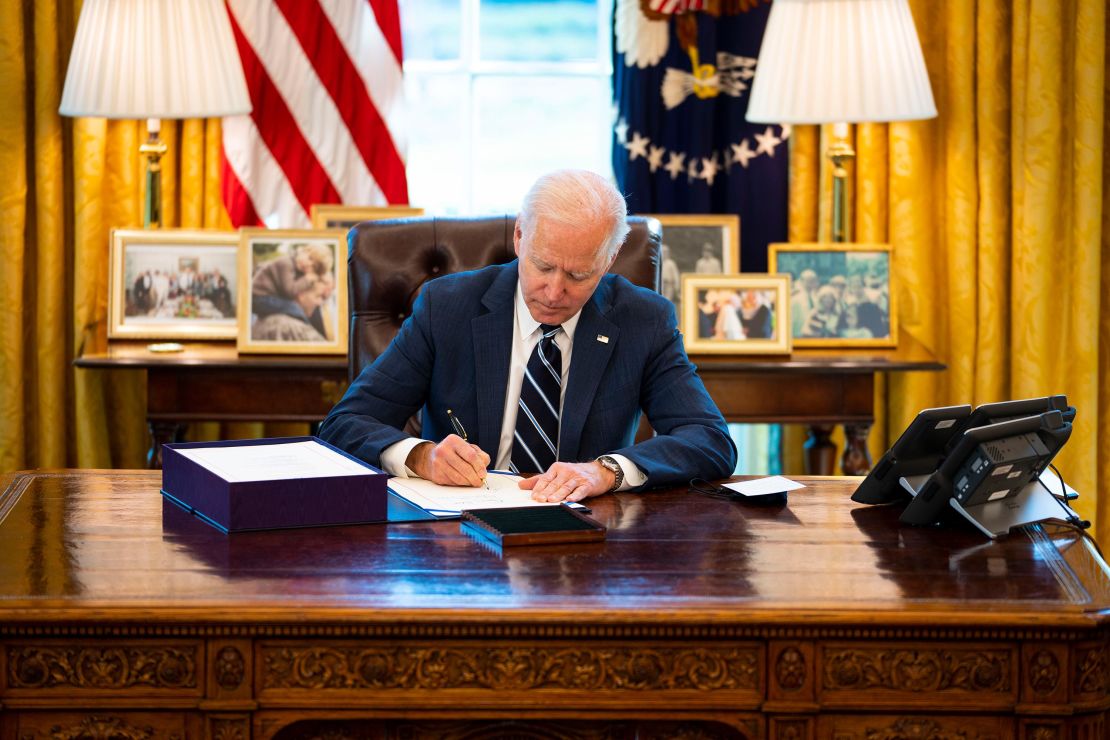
{"x": 461, "y": 431}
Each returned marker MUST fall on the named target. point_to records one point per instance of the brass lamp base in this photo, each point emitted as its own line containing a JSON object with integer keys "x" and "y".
{"x": 840, "y": 152}
{"x": 153, "y": 149}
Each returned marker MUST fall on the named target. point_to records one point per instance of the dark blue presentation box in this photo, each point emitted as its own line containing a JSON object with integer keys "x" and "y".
{"x": 271, "y": 504}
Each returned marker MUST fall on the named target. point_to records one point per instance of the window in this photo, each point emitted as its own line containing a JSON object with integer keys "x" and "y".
{"x": 499, "y": 92}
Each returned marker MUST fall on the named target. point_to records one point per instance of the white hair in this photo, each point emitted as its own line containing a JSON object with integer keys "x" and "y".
{"x": 576, "y": 197}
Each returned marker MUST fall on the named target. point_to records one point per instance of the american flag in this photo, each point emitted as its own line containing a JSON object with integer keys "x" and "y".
{"x": 325, "y": 84}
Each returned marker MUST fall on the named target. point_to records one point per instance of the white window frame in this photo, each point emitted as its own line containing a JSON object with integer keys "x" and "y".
{"x": 472, "y": 68}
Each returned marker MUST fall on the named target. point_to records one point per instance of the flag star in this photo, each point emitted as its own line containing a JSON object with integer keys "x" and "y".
{"x": 709, "y": 169}
{"x": 786, "y": 129}
{"x": 742, "y": 153}
{"x": 767, "y": 142}
{"x": 621, "y": 130}
{"x": 655, "y": 158}
{"x": 692, "y": 170}
{"x": 637, "y": 147}
{"x": 676, "y": 164}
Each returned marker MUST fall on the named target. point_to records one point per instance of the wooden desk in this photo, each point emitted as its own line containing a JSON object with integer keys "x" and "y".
{"x": 123, "y": 617}
{"x": 211, "y": 382}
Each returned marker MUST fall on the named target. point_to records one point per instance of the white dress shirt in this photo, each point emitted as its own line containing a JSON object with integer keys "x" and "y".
{"x": 526, "y": 334}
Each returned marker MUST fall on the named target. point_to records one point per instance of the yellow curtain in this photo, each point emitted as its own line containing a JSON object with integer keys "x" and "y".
{"x": 63, "y": 185}
{"x": 999, "y": 215}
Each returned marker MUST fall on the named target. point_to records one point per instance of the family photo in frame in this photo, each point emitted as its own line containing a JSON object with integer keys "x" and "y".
{"x": 172, "y": 284}
{"x": 705, "y": 244}
{"x": 736, "y": 314}
{"x": 842, "y": 293}
{"x": 294, "y": 288}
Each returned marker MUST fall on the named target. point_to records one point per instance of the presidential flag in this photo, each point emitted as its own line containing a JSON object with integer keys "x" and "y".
{"x": 682, "y": 71}
{"x": 325, "y": 84}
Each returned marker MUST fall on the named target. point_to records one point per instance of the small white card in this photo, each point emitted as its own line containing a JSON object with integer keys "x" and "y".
{"x": 763, "y": 486}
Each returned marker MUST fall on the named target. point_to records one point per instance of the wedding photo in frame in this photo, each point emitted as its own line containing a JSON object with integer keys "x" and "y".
{"x": 703, "y": 243}
{"x": 843, "y": 294}
{"x": 293, "y": 284}
{"x": 173, "y": 284}
{"x": 336, "y": 216}
{"x": 736, "y": 314}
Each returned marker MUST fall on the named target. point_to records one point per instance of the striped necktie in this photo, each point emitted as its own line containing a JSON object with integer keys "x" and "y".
{"x": 536, "y": 438}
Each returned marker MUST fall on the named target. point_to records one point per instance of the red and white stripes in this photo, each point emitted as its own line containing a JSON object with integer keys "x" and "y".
{"x": 325, "y": 84}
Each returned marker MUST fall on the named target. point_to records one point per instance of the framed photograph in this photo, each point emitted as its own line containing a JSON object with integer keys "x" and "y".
{"x": 704, "y": 244}
{"x": 173, "y": 284}
{"x": 843, "y": 294}
{"x": 736, "y": 314}
{"x": 336, "y": 216}
{"x": 294, "y": 288}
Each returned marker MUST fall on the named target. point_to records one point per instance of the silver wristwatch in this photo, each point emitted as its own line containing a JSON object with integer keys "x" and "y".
{"x": 615, "y": 468}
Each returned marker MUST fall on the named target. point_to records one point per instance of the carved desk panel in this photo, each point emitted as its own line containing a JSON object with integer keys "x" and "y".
{"x": 124, "y": 618}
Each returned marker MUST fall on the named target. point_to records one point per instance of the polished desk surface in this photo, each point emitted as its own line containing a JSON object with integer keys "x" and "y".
{"x": 91, "y": 545}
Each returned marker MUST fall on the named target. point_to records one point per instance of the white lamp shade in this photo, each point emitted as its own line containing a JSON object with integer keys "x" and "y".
{"x": 832, "y": 61}
{"x": 154, "y": 59}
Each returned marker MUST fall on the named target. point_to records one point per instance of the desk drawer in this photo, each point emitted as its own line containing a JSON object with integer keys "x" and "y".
{"x": 284, "y": 394}
{"x": 875, "y": 675}
{"x": 868, "y": 727}
{"x": 132, "y": 671}
{"x": 102, "y": 723}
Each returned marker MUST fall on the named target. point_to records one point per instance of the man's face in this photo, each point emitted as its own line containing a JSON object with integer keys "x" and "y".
{"x": 560, "y": 266}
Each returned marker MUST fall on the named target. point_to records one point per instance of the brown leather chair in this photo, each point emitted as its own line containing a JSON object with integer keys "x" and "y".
{"x": 389, "y": 261}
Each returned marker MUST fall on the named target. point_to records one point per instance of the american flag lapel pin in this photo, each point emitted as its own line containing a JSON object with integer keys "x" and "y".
{"x": 603, "y": 339}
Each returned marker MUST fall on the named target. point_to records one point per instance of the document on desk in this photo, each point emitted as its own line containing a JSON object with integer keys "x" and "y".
{"x": 281, "y": 461}
{"x": 450, "y": 501}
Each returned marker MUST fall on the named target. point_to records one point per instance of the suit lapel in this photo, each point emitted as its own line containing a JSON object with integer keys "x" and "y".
{"x": 493, "y": 345}
{"x": 589, "y": 358}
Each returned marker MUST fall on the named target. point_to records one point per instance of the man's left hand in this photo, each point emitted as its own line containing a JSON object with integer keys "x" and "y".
{"x": 569, "y": 482}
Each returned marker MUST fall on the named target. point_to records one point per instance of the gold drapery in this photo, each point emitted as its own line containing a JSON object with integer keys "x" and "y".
{"x": 63, "y": 185}
{"x": 999, "y": 215}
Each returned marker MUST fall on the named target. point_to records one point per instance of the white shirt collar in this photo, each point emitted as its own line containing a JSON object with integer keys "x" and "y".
{"x": 527, "y": 325}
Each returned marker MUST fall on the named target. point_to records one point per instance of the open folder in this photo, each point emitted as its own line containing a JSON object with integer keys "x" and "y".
{"x": 446, "y": 502}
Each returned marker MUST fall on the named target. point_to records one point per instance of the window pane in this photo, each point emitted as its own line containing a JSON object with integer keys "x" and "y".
{"x": 431, "y": 29}
{"x": 438, "y": 135}
{"x": 531, "y": 125}
{"x": 538, "y": 30}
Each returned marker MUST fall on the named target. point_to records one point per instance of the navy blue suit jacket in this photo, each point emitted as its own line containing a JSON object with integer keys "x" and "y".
{"x": 453, "y": 353}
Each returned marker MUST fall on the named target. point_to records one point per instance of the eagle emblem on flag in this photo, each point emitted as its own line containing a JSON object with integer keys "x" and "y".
{"x": 643, "y": 37}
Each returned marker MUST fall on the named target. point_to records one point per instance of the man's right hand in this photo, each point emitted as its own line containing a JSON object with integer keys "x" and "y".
{"x": 452, "y": 462}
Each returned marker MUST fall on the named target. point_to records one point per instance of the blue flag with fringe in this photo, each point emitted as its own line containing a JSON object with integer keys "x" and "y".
{"x": 682, "y": 71}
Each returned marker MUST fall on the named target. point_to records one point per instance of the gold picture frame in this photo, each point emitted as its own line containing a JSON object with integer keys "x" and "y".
{"x": 685, "y": 238}
{"x": 860, "y": 278}
{"x": 338, "y": 216}
{"x": 293, "y": 284}
{"x": 736, "y": 314}
{"x": 173, "y": 284}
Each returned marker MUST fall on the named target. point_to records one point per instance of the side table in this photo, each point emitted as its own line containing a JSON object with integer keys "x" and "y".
{"x": 816, "y": 387}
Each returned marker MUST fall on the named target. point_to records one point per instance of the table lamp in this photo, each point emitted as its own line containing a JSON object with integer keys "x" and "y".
{"x": 840, "y": 62}
{"x": 154, "y": 59}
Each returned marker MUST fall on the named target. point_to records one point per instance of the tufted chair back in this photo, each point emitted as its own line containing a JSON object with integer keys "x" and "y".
{"x": 389, "y": 261}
